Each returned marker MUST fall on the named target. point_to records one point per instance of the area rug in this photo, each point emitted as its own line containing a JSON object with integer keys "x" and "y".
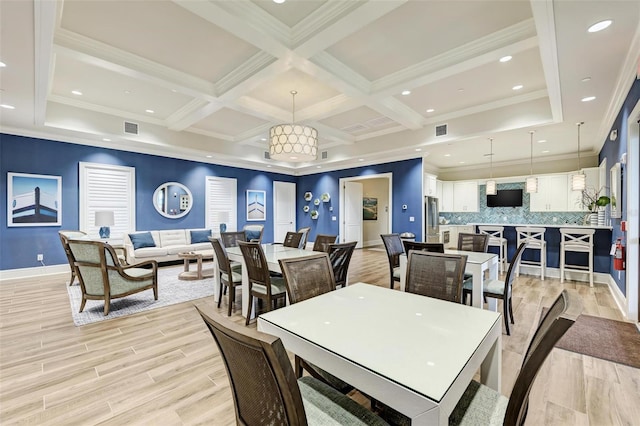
{"x": 603, "y": 338}
{"x": 171, "y": 290}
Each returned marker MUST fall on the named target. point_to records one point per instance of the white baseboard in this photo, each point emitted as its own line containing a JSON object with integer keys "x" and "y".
{"x": 38, "y": 271}
{"x": 619, "y": 298}
{"x": 372, "y": 243}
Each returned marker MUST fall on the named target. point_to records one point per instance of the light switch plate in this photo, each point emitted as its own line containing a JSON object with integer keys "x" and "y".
{"x": 412, "y": 219}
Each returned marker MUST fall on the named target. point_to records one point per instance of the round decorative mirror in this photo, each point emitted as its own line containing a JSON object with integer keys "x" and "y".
{"x": 172, "y": 200}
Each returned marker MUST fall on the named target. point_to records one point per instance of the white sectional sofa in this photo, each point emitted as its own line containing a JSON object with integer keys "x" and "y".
{"x": 164, "y": 245}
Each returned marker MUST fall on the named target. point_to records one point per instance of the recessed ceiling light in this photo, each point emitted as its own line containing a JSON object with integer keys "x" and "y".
{"x": 279, "y": 1}
{"x": 430, "y": 110}
{"x": 588, "y": 99}
{"x": 263, "y": 139}
{"x": 584, "y": 80}
{"x": 2, "y": 64}
{"x": 127, "y": 92}
{"x": 461, "y": 162}
{"x": 106, "y": 139}
{"x": 318, "y": 167}
{"x": 268, "y": 167}
{"x": 447, "y": 155}
{"x": 209, "y": 156}
{"x": 293, "y": 157}
{"x": 506, "y": 58}
{"x": 360, "y": 159}
{"x": 150, "y": 111}
{"x": 406, "y": 92}
{"x": 542, "y": 141}
{"x": 545, "y": 151}
{"x": 418, "y": 149}
{"x": 461, "y": 90}
{"x": 517, "y": 87}
{"x": 599, "y": 26}
{"x": 174, "y": 90}
{"x": 76, "y": 92}
{"x": 7, "y": 106}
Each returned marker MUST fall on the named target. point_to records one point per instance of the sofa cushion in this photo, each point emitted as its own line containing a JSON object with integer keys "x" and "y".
{"x": 173, "y": 237}
{"x": 179, "y": 249}
{"x": 200, "y": 236}
{"x": 141, "y": 240}
{"x": 200, "y": 246}
{"x": 150, "y": 252}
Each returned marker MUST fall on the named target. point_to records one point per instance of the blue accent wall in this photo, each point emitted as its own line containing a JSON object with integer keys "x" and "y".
{"x": 407, "y": 189}
{"x": 612, "y": 151}
{"x": 19, "y": 245}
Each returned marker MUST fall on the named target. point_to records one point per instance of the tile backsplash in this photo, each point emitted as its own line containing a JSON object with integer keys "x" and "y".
{"x": 512, "y": 215}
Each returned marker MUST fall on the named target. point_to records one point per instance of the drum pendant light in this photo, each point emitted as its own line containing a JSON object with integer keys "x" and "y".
{"x": 579, "y": 180}
{"x": 293, "y": 142}
{"x": 491, "y": 184}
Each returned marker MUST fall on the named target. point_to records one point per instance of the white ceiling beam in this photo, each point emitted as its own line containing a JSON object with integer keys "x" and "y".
{"x": 45, "y": 19}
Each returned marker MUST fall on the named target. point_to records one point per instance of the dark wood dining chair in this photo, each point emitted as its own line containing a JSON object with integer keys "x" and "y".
{"x": 394, "y": 248}
{"x": 292, "y": 239}
{"x": 230, "y": 239}
{"x": 264, "y": 387}
{"x": 478, "y": 243}
{"x": 340, "y": 257}
{"x": 322, "y": 242}
{"x": 230, "y": 275}
{"x": 435, "y": 275}
{"x": 415, "y": 245}
{"x": 261, "y": 284}
{"x": 305, "y": 236}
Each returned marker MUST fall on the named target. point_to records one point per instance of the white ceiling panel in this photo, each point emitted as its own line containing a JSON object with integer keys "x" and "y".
{"x": 229, "y": 122}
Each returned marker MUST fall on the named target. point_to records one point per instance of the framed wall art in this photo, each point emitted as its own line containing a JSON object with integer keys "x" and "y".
{"x": 34, "y": 200}
{"x": 256, "y": 205}
{"x": 369, "y": 208}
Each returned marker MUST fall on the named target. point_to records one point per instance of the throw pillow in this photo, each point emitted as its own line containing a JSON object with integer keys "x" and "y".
{"x": 141, "y": 240}
{"x": 200, "y": 236}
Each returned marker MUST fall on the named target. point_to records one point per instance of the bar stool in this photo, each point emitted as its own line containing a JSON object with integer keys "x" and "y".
{"x": 534, "y": 237}
{"x": 576, "y": 240}
{"x": 496, "y": 240}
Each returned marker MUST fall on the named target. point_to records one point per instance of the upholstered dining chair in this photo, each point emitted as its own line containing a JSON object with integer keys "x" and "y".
{"x": 292, "y": 239}
{"x": 435, "y": 275}
{"x": 415, "y": 245}
{"x": 261, "y": 284}
{"x": 65, "y": 236}
{"x": 277, "y": 397}
{"x": 230, "y": 239}
{"x": 322, "y": 242}
{"x": 102, "y": 277}
{"x": 393, "y": 245}
{"x": 340, "y": 257}
{"x": 481, "y": 405}
{"x": 501, "y": 289}
{"x": 230, "y": 275}
{"x": 253, "y": 232}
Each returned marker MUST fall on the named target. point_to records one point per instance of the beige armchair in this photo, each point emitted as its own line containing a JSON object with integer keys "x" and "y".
{"x": 65, "y": 236}
{"x": 103, "y": 278}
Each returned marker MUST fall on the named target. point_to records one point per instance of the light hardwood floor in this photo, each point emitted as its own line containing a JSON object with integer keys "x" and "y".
{"x": 162, "y": 366}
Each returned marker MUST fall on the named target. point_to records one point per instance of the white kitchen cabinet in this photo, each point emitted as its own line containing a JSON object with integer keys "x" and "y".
{"x": 465, "y": 197}
{"x": 574, "y": 198}
{"x": 439, "y": 194}
{"x": 446, "y": 202}
{"x": 551, "y": 195}
{"x": 430, "y": 187}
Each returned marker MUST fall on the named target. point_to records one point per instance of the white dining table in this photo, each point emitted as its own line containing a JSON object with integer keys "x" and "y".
{"x": 413, "y": 353}
{"x": 272, "y": 252}
{"x": 477, "y": 264}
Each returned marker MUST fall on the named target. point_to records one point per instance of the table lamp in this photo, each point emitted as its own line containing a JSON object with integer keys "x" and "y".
{"x": 104, "y": 219}
{"x": 223, "y": 218}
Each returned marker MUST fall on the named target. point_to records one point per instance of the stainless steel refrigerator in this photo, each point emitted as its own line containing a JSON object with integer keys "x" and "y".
{"x": 431, "y": 217}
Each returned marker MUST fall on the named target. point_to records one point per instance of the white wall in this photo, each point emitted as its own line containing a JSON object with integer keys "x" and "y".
{"x": 371, "y": 229}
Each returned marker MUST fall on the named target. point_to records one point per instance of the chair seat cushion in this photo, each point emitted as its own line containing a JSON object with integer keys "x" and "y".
{"x": 494, "y": 287}
{"x": 139, "y": 272}
{"x": 479, "y": 405}
{"x": 396, "y": 274}
{"x": 324, "y": 405}
{"x": 277, "y": 286}
{"x": 467, "y": 284}
{"x": 235, "y": 275}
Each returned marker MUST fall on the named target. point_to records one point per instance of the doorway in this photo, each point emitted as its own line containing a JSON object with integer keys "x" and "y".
{"x": 632, "y": 177}
{"x": 377, "y": 190}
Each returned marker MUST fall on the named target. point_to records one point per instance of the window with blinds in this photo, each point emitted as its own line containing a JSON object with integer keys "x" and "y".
{"x": 111, "y": 188}
{"x": 221, "y": 203}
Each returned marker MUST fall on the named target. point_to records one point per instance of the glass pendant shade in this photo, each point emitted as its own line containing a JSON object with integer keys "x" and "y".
{"x": 532, "y": 184}
{"x": 492, "y": 188}
{"x": 293, "y": 142}
{"x": 578, "y": 182}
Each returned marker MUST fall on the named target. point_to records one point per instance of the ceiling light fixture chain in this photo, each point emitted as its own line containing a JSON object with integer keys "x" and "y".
{"x": 579, "y": 180}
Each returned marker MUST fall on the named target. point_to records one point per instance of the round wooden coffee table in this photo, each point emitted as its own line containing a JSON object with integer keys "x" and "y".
{"x": 199, "y": 273}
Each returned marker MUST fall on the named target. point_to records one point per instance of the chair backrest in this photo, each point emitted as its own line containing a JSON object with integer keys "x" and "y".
{"x": 95, "y": 262}
{"x": 65, "y": 236}
{"x": 340, "y": 257}
{"x": 534, "y": 237}
{"x": 414, "y": 245}
{"x": 513, "y": 266}
{"x": 307, "y": 276}
{"x": 436, "y": 275}
{"x": 322, "y": 242}
{"x": 256, "y": 264}
{"x": 577, "y": 238}
{"x": 305, "y": 236}
{"x": 393, "y": 245}
{"x": 230, "y": 239}
{"x": 561, "y": 316}
{"x": 221, "y": 256}
{"x": 253, "y": 233}
{"x": 495, "y": 233}
{"x": 264, "y": 386}
{"x": 292, "y": 239}
{"x": 473, "y": 242}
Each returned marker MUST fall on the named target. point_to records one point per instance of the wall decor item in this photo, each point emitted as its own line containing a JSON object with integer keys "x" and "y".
{"x": 615, "y": 182}
{"x": 256, "y": 205}
{"x": 325, "y": 197}
{"x": 308, "y": 196}
{"x": 316, "y": 201}
{"x": 305, "y": 209}
{"x": 369, "y": 208}
{"x": 34, "y": 200}
{"x": 314, "y": 214}
{"x": 172, "y": 200}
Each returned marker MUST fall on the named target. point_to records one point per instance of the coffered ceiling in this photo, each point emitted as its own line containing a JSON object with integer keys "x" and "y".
{"x": 205, "y": 80}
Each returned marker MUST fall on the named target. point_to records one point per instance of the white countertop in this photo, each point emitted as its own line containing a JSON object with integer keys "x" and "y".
{"x": 554, "y": 225}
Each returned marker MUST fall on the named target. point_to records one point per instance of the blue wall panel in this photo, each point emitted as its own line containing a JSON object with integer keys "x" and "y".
{"x": 19, "y": 245}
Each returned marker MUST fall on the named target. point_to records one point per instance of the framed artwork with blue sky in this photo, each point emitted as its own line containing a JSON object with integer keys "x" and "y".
{"x": 34, "y": 200}
{"x": 256, "y": 205}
